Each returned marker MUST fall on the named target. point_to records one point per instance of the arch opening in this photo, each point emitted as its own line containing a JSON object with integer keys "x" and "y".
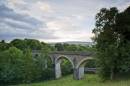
{"x": 64, "y": 66}
{"x": 89, "y": 66}
{"x": 65, "y": 58}
{"x": 83, "y": 66}
{"x": 83, "y": 62}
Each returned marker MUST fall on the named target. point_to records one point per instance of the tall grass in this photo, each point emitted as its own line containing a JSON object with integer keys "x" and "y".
{"x": 89, "y": 80}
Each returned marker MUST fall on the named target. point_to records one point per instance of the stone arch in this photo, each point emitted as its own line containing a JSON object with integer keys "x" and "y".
{"x": 65, "y": 57}
{"x": 58, "y": 72}
{"x": 82, "y": 62}
{"x": 79, "y": 69}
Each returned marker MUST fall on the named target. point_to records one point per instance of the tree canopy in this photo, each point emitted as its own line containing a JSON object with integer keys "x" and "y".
{"x": 112, "y": 32}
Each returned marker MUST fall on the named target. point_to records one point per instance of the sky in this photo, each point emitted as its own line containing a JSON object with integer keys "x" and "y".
{"x": 52, "y": 20}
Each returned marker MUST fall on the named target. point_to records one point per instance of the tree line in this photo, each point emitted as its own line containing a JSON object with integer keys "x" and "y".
{"x": 34, "y": 44}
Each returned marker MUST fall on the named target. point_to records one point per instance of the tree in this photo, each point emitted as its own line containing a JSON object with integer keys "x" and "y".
{"x": 72, "y": 47}
{"x": 65, "y": 45}
{"x": 112, "y": 37}
{"x": 26, "y": 44}
{"x": 106, "y": 42}
{"x": 31, "y": 71}
{"x": 33, "y": 44}
{"x": 4, "y": 45}
{"x": 10, "y": 65}
{"x": 46, "y": 64}
{"x": 59, "y": 47}
{"x": 2, "y": 41}
{"x": 16, "y": 66}
{"x": 66, "y": 67}
{"x": 122, "y": 27}
{"x": 19, "y": 43}
{"x": 123, "y": 24}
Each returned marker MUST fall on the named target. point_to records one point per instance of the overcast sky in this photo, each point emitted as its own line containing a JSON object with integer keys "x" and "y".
{"x": 52, "y": 20}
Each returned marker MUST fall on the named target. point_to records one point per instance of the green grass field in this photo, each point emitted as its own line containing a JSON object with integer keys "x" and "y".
{"x": 89, "y": 80}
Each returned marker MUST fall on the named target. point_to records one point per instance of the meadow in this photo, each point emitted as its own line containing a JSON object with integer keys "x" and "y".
{"x": 89, "y": 80}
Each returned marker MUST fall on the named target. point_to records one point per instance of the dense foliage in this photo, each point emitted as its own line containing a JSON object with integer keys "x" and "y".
{"x": 17, "y": 65}
{"x": 112, "y": 38}
{"x": 66, "y": 67}
{"x": 72, "y": 47}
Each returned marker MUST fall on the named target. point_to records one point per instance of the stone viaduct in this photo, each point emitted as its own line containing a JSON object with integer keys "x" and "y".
{"x": 77, "y": 59}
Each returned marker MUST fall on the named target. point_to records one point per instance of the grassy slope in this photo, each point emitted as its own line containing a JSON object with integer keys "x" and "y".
{"x": 89, "y": 80}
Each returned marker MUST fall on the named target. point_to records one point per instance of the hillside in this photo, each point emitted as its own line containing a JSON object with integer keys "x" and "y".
{"x": 74, "y": 42}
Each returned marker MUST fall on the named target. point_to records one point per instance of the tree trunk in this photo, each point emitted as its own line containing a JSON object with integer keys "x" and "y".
{"x": 112, "y": 73}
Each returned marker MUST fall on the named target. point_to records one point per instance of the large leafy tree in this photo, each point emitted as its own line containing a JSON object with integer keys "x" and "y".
{"x": 30, "y": 70}
{"x": 27, "y": 44}
{"x": 33, "y": 44}
{"x": 18, "y": 67}
{"x": 59, "y": 47}
{"x": 19, "y": 43}
{"x": 4, "y": 45}
{"x": 123, "y": 24}
{"x": 112, "y": 38}
{"x": 10, "y": 65}
{"x": 106, "y": 42}
{"x": 122, "y": 27}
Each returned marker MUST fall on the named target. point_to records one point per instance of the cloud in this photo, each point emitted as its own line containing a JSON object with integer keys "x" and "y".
{"x": 7, "y": 13}
{"x": 15, "y": 25}
{"x": 52, "y": 20}
{"x": 44, "y": 7}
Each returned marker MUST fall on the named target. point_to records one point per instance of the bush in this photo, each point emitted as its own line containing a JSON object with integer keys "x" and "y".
{"x": 16, "y": 67}
{"x": 10, "y": 65}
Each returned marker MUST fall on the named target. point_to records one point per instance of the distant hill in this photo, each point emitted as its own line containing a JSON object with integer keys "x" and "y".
{"x": 74, "y": 42}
